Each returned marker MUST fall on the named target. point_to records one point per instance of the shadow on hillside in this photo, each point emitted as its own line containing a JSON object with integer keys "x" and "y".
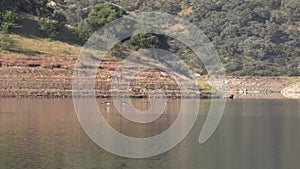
{"x": 29, "y": 28}
{"x": 66, "y": 35}
{"x": 26, "y": 52}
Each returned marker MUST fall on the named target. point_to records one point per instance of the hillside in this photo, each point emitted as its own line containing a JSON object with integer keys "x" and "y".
{"x": 40, "y": 41}
{"x": 37, "y": 66}
{"x": 257, "y": 37}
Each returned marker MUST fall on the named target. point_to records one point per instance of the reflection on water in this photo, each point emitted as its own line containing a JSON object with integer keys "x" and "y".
{"x": 253, "y": 134}
{"x": 132, "y": 129}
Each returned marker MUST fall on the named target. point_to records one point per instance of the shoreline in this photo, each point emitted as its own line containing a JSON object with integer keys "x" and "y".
{"x": 56, "y": 82}
{"x": 27, "y": 82}
{"x": 292, "y": 91}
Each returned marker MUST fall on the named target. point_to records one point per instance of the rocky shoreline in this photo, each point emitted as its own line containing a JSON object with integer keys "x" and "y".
{"x": 27, "y": 82}
{"x": 259, "y": 87}
{"x": 51, "y": 80}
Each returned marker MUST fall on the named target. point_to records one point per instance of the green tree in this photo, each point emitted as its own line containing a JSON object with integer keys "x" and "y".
{"x": 104, "y": 13}
{"x": 9, "y": 19}
{"x": 170, "y": 7}
{"x": 145, "y": 41}
{"x": 49, "y": 27}
{"x": 261, "y": 33}
{"x": 83, "y": 31}
{"x": 100, "y": 15}
{"x": 292, "y": 7}
{"x": 233, "y": 66}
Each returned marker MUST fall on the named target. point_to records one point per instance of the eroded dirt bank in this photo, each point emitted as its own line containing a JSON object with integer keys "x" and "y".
{"x": 52, "y": 77}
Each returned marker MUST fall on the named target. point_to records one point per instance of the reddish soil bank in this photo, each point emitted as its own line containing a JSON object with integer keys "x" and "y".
{"x": 40, "y": 78}
{"x": 52, "y": 77}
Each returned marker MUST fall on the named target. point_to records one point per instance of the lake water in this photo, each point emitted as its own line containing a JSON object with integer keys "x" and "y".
{"x": 253, "y": 134}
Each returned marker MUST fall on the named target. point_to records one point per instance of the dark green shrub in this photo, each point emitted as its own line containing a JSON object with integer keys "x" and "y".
{"x": 145, "y": 41}
{"x": 102, "y": 14}
{"x": 49, "y": 27}
{"x": 233, "y": 66}
{"x": 9, "y": 19}
{"x": 83, "y": 31}
{"x": 60, "y": 18}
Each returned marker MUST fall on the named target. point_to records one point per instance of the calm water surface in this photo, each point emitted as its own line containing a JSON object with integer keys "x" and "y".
{"x": 253, "y": 134}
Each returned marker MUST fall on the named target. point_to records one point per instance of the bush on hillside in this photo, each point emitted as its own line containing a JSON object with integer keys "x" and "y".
{"x": 145, "y": 41}
{"x": 49, "y": 27}
{"x": 9, "y": 19}
{"x": 83, "y": 31}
